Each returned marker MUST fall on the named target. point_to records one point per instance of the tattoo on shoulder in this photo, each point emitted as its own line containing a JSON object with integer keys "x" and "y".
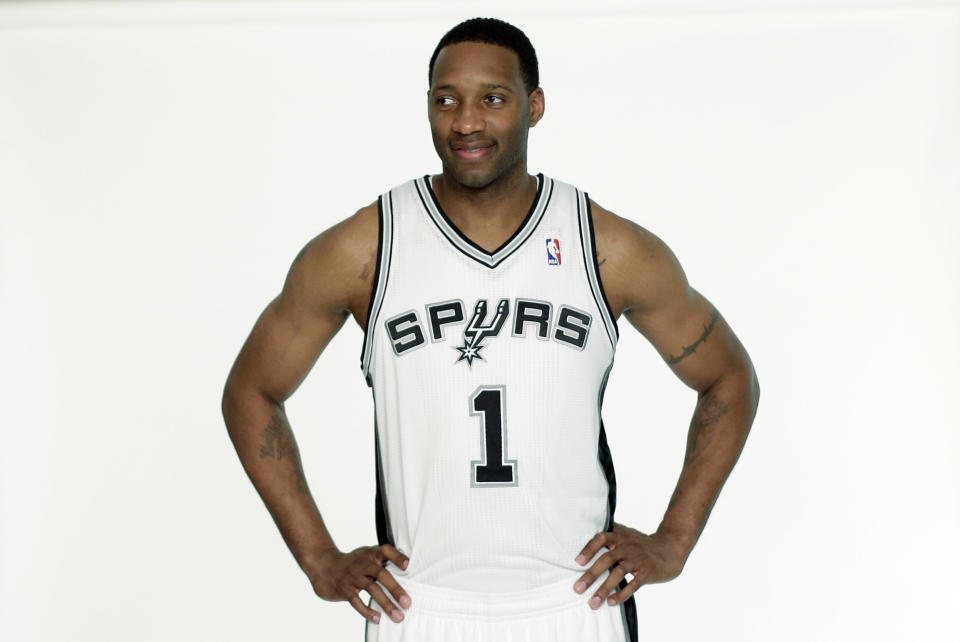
{"x": 601, "y": 261}
{"x": 686, "y": 351}
{"x": 368, "y": 267}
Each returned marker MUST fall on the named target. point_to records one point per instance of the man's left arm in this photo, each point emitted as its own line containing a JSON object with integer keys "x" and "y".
{"x": 644, "y": 282}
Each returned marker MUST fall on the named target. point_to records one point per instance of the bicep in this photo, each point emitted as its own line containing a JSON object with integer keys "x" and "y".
{"x": 325, "y": 282}
{"x": 648, "y": 285}
{"x": 691, "y": 336}
{"x": 283, "y": 345}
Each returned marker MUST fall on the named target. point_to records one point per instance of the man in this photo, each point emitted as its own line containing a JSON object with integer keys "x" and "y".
{"x": 489, "y": 300}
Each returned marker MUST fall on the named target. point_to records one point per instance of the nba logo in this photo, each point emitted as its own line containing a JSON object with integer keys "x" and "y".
{"x": 553, "y": 251}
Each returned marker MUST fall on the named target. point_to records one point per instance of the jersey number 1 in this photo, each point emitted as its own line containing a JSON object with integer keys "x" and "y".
{"x": 489, "y": 402}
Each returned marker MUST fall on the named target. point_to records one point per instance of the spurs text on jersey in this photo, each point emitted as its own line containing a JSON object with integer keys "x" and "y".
{"x": 569, "y": 326}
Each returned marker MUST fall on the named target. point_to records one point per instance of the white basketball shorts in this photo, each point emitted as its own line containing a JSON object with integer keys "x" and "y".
{"x": 553, "y": 613}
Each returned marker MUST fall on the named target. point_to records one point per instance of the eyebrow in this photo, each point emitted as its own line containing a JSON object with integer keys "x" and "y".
{"x": 486, "y": 85}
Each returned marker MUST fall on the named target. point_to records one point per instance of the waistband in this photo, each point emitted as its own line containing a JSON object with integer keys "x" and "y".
{"x": 438, "y": 600}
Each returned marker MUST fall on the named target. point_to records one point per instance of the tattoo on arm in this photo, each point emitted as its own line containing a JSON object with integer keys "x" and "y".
{"x": 278, "y": 442}
{"x": 601, "y": 261}
{"x": 690, "y": 349}
{"x": 709, "y": 411}
{"x": 702, "y": 427}
{"x": 702, "y": 430}
{"x": 674, "y": 498}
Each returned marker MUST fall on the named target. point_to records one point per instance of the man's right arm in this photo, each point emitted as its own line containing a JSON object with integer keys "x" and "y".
{"x": 329, "y": 279}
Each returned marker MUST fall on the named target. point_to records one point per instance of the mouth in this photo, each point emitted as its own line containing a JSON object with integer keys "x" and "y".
{"x": 472, "y": 151}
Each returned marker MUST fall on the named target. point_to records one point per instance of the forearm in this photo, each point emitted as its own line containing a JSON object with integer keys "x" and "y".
{"x": 718, "y": 431}
{"x": 267, "y": 449}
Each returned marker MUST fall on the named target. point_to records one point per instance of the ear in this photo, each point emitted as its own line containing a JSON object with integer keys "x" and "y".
{"x": 537, "y": 105}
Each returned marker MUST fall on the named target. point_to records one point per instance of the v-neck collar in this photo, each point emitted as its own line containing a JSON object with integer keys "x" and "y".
{"x": 463, "y": 243}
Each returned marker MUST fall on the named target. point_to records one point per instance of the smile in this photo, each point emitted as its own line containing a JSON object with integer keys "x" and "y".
{"x": 473, "y": 154}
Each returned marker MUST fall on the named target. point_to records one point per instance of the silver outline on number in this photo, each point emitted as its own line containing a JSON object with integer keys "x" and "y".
{"x": 512, "y": 463}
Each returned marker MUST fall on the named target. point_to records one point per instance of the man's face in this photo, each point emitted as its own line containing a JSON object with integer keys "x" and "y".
{"x": 480, "y": 112}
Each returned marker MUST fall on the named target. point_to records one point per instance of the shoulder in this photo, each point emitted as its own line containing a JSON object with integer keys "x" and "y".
{"x": 335, "y": 268}
{"x": 637, "y": 269}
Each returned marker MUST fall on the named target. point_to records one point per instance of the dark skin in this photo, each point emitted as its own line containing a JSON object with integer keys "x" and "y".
{"x": 478, "y": 99}
{"x": 480, "y": 114}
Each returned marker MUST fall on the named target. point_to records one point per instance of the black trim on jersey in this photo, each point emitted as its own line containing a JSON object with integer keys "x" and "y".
{"x": 378, "y": 288}
{"x": 488, "y": 255}
{"x": 606, "y": 463}
{"x": 629, "y": 606}
{"x": 376, "y": 278}
{"x": 523, "y": 224}
{"x": 584, "y": 250}
{"x": 384, "y": 532}
{"x": 629, "y": 610}
{"x": 596, "y": 266}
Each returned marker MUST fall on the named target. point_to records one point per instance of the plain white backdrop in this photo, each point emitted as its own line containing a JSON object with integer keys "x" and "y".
{"x": 162, "y": 163}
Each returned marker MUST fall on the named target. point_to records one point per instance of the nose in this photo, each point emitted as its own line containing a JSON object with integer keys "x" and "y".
{"x": 469, "y": 119}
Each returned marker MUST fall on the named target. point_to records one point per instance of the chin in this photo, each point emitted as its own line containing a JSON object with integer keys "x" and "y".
{"x": 477, "y": 177}
{"x": 474, "y": 178}
{"x": 474, "y": 181}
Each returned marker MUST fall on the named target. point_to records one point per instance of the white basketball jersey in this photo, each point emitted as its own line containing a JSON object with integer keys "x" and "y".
{"x": 488, "y": 371}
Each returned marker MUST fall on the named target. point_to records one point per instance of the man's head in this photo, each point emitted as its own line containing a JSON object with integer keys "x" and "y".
{"x": 484, "y": 96}
{"x": 493, "y": 32}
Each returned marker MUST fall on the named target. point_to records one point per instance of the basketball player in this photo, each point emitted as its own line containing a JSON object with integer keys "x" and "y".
{"x": 489, "y": 299}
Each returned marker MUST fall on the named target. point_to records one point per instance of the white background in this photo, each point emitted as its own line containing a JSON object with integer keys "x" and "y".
{"x": 161, "y": 164}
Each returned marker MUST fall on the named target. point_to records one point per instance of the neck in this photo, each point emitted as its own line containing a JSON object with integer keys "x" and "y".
{"x": 503, "y": 202}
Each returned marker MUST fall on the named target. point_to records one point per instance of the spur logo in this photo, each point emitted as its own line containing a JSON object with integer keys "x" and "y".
{"x": 526, "y": 318}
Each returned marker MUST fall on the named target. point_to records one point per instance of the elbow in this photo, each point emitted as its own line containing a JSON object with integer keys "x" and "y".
{"x": 228, "y": 404}
{"x": 234, "y": 401}
{"x": 750, "y": 386}
{"x": 228, "y": 398}
{"x": 241, "y": 399}
{"x": 754, "y": 390}
{"x": 742, "y": 384}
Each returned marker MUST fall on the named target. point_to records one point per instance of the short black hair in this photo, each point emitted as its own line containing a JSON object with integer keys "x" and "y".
{"x": 495, "y": 32}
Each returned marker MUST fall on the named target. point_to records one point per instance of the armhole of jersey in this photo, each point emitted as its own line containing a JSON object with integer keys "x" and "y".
{"x": 589, "y": 246}
{"x": 380, "y": 276}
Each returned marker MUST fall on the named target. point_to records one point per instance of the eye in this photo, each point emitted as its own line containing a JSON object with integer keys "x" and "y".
{"x": 444, "y": 101}
{"x": 494, "y": 100}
